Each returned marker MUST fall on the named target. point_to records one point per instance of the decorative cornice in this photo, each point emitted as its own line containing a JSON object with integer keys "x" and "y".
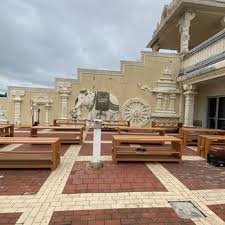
{"x": 203, "y": 64}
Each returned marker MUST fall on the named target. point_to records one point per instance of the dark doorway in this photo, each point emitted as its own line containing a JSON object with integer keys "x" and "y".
{"x": 216, "y": 112}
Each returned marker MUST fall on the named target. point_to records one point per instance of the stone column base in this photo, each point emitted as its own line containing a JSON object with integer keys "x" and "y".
{"x": 96, "y": 165}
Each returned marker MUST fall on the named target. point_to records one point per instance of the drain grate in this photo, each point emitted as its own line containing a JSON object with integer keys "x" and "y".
{"x": 29, "y": 193}
{"x": 186, "y": 209}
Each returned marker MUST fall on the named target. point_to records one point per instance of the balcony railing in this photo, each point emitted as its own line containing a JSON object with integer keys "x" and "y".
{"x": 207, "y": 53}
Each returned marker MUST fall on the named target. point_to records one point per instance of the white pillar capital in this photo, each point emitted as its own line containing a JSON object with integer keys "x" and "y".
{"x": 184, "y": 24}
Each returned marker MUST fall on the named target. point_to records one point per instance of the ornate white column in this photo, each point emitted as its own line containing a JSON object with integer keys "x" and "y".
{"x": 184, "y": 28}
{"x": 64, "y": 89}
{"x": 35, "y": 112}
{"x": 47, "y": 107}
{"x": 189, "y": 93}
{"x": 17, "y": 99}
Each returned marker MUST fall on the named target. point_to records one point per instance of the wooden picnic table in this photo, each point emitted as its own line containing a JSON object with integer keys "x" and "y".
{"x": 6, "y": 130}
{"x": 58, "y": 131}
{"x": 168, "y": 128}
{"x": 59, "y": 122}
{"x": 190, "y": 135}
{"x": 140, "y": 148}
{"x": 108, "y": 125}
{"x": 31, "y": 159}
{"x": 206, "y": 141}
{"x": 137, "y": 130}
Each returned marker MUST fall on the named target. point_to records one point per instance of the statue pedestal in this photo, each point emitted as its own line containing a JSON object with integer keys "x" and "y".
{"x": 96, "y": 159}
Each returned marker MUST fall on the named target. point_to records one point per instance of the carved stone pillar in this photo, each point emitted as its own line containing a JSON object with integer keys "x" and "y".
{"x": 64, "y": 89}
{"x": 172, "y": 99}
{"x": 189, "y": 93}
{"x": 159, "y": 101}
{"x": 64, "y": 99}
{"x": 165, "y": 102}
{"x": 181, "y": 105}
{"x": 17, "y": 99}
{"x": 47, "y": 107}
{"x": 35, "y": 112}
{"x": 184, "y": 28}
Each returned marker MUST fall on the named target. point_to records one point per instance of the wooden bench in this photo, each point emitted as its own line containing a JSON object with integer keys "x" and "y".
{"x": 31, "y": 159}
{"x": 61, "y": 132}
{"x": 60, "y": 122}
{"x": 190, "y": 135}
{"x": 169, "y": 129}
{"x": 206, "y": 141}
{"x": 108, "y": 125}
{"x": 6, "y": 130}
{"x": 137, "y": 148}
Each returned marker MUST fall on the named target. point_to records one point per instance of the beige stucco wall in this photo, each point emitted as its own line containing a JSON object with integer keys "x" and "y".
{"x": 123, "y": 84}
{"x": 208, "y": 89}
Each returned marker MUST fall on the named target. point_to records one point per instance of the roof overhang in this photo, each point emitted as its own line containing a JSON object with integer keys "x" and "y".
{"x": 206, "y": 23}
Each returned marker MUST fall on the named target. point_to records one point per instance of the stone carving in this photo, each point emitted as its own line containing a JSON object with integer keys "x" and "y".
{"x": 64, "y": 85}
{"x": 41, "y": 99}
{"x": 37, "y": 101}
{"x": 145, "y": 87}
{"x": 184, "y": 26}
{"x": 166, "y": 92}
{"x": 102, "y": 105}
{"x": 3, "y": 116}
{"x": 167, "y": 11}
{"x": 137, "y": 111}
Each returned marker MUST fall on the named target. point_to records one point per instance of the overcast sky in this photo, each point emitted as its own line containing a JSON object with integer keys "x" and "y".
{"x": 43, "y": 39}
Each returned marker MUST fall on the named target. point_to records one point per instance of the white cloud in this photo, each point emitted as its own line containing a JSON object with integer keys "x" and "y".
{"x": 42, "y": 39}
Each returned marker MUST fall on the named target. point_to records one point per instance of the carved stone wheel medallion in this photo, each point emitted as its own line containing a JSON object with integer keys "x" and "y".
{"x": 137, "y": 111}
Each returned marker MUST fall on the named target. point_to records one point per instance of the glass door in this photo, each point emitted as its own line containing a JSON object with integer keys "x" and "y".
{"x": 221, "y": 113}
{"x": 216, "y": 112}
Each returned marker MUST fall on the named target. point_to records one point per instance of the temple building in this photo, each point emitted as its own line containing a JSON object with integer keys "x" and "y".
{"x": 187, "y": 86}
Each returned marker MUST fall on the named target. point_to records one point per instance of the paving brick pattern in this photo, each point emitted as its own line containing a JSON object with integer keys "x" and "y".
{"x": 22, "y": 134}
{"x": 118, "y": 205}
{"x": 156, "y": 216}
{"x": 87, "y": 149}
{"x": 198, "y": 175}
{"x": 9, "y": 218}
{"x": 105, "y": 136}
{"x": 189, "y": 152}
{"x": 112, "y": 177}
{"x": 29, "y": 147}
{"x": 18, "y": 182}
{"x": 219, "y": 210}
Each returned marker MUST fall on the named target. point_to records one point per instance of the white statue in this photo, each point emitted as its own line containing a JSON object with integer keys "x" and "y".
{"x": 100, "y": 104}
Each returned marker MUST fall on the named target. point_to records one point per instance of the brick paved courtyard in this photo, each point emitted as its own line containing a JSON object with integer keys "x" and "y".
{"x": 117, "y": 194}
